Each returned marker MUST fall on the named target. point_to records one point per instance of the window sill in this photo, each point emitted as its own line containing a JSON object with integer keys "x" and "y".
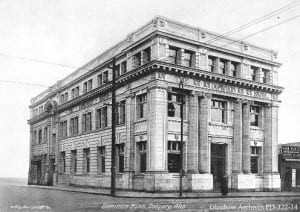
{"x": 140, "y": 120}
{"x": 219, "y": 124}
{"x": 177, "y": 119}
{"x": 256, "y": 128}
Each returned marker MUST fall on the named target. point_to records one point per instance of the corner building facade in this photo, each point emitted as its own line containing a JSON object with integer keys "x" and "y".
{"x": 230, "y": 115}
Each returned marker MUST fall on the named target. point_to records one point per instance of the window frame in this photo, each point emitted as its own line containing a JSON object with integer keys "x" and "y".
{"x": 219, "y": 105}
{"x": 141, "y": 106}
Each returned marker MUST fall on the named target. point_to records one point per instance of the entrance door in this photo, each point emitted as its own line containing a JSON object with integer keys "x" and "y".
{"x": 218, "y": 162}
{"x": 39, "y": 172}
{"x": 51, "y": 171}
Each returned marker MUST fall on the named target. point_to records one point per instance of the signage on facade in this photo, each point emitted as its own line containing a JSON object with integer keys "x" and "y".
{"x": 290, "y": 152}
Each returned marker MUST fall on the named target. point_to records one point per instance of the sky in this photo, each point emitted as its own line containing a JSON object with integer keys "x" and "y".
{"x": 72, "y": 32}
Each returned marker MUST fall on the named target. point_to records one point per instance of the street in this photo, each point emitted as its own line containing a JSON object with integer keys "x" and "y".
{"x": 23, "y": 198}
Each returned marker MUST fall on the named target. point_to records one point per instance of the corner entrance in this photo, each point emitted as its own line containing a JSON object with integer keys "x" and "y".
{"x": 218, "y": 162}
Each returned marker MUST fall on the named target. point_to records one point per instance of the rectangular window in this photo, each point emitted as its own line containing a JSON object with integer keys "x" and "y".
{"x": 173, "y": 156}
{"x": 74, "y": 126}
{"x": 101, "y": 159}
{"x": 87, "y": 122}
{"x": 265, "y": 75}
{"x": 34, "y": 137}
{"x": 98, "y": 118}
{"x": 120, "y": 157}
{"x": 147, "y": 55}
{"x": 233, "y": 69}
{"x": 86, "y": 161}
{"x": 104, "y": 120}
{"x": 45, "y": 134}
{"x": 211, "y": 63}
{"x": 90, "y": 85}
{"x": 123, "y": 67}
{"x": 120, "y": 117}
{"x": 105, "y": 77}
{"x": 222, "y": 66}
{"x": 63, "y": 161}
{"x": 253, "y": 73}
{"x": 77, "y": 91}
{"x": 254, "y": 115}
{"x": 142, "y": 148}
{"x": 40, "y": 136}
{"x": 73, "y": 93}
{"x": 66, "y": 97}
{"x": 174, "y": 55}
{"x": 137, "y": 60}
{"x": 141, "y": 106}
{"x": 174, "y": 102}
{"x": 99, "y": 80}
{"x": 255, "y": 151}
{"x": 117, "y": 70}
{"x": 218, "y": 111}
{"x": 85, "y": 87}
{"x": 73, "y": 161}
{"x": 188, "y": 58}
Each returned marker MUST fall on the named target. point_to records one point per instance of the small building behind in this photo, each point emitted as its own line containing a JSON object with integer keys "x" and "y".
{"x": 289, "y": 166}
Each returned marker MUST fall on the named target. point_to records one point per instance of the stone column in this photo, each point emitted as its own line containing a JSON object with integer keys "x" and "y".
{"x": 203, "y": 136}
{"x": 130, "y": 144}
{"x": 217, "y": 65}
{"x": 258, "y": 77}
{"x": 157, "y": 130}
{"x": 237, "y": 138}
{"x": 246, "y": 138}
{"x": 192, "y": 144}
{"x": 227, "y": 67}
{"x": 270, "y": 161}
{"x": 30, "y": 155}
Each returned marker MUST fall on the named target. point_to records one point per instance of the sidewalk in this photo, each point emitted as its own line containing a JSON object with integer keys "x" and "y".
{"x": 185, "y": 195}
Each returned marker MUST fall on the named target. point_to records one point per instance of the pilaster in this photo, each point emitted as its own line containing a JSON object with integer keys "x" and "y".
{"x": 203, "y": 134}
{"x": 192, "y": 144}
{"x": 157, "y": 130}
{"x": 237, "y": 138}
{"x": 246, "y": 138}
{"x": 130, "y": 145}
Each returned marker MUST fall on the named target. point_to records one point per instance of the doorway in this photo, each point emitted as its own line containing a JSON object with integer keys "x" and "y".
{"x": 39, "y": 172}
{"x": 218, "y": 163}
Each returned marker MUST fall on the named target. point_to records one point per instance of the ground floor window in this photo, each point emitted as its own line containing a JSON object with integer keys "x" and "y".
{"x": 255, "y": 158}
{"x": 101, "y": 159}
{"x": 120, "y": 157}
{"x": 86, "y": 160}
{"x": 73, "y": 161}
{"x": 142, "y": 156}
{"x": 63, "y": 161}
{"x": 173, "y": 156}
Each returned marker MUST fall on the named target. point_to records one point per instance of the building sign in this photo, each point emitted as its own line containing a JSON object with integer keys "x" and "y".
{"x": 232, "y": 89}
{"x": 290, "y": 152}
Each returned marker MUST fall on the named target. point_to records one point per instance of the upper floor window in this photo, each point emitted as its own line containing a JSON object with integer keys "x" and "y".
{"x": 174, "y": 102}
{"x": 45, "y": 134}
{"x": 63, "y": 161}
{"x": 137, "y": 60}
{"x": 87, "y": 122}
{"x": 141, "y": 106}
{"x": 85, "y": 87}
{"x": 90, "y": 85}
{"x": 34, "y": 137}
{"x": 211, "y": 63}
{"x": 117, "y": 70}
{"x": 188, "y": 57}
{"x": 254, "y": 115}
{"x": 64, "y": 98}
{"x": 147, "y": 55}
{"x": 265, "y": 75}
{"x": 40, "y": 136}
{"x": 218, "y": 111}
{"x": 174, "y": 55}
{"x": 233, "y": 69}
{"x": 105, "y": 77}
{"x": 253, "y": 73}
{"x": 120, "y": 117}
{"x": 222, "y": 66}
{"x": 75, "y": 92}
{"x": 63, "y": 129}
{"x": 99, "y": 79}
{"x": 101, "y": 118}
{"x": 124, "y": 67}
{"x": 74, "y": 126}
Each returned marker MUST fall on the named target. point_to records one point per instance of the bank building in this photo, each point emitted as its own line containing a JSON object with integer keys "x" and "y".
{"x": 230, "y": 115}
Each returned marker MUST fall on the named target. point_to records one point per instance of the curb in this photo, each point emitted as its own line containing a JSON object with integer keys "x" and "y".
{"x": 162, "y": 197}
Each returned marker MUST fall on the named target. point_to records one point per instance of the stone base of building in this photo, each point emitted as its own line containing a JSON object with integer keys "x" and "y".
{"x": 200, "y": 182}
{"x": 246, "y": 182}
{"x": 272, "y": 182}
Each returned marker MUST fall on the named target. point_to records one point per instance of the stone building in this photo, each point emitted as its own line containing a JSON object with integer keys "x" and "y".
{"x": 230, "y": 115}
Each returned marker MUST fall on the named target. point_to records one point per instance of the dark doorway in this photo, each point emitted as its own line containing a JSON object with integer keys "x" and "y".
{"x": 39, "y": 172}
{"x": 51, "y": 171}
{"x": 218, "y": 162}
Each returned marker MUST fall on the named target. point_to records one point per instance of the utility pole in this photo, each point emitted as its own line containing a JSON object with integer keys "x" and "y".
{"x": 181, "y": 135}
{"x": 113, "y": 130}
